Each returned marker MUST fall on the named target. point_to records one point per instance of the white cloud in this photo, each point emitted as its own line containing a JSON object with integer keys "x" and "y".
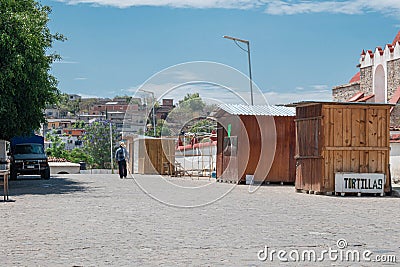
{"x": 214, "y": 94}
{"x": 205, "y": 77}
{"x": 274, "y": 98}
{"x": 80, "y": 79}
{"x": 339, "y": 7}
{"x": 236, "y": 4}
{"x": 210, "y": 93}
{"x": 88, "y": 96}
{"x": 290, "y": 8}
{"x": 273, "y": 7}
{"x": 65, "y": 62}
{"x": 320, "y": 87}
{"x": 157, "y": 89}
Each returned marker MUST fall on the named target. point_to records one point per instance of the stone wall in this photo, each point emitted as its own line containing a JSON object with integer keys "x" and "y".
{"x": 393, "y": 77}
{"x": 395, "y": 117}
{"x": 343, "y": 93}
{"x": 366, "y": 80}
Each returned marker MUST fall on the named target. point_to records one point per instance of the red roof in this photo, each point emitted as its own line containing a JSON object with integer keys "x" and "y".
{"x": 356, "y": 78}
{"x": 396, "y": 39}
{"x": 395, "y": 138}
{"x": 356, "y": 97}
{"x": 365, "y": 98}
{"x": 380, "y": 50}
{"x": 395, "y": 98}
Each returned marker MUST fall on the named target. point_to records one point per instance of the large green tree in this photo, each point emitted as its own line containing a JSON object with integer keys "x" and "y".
{"x": 192, "y": 102}
{"x": 97, "y": 143}
{"x": 26, "y": 86}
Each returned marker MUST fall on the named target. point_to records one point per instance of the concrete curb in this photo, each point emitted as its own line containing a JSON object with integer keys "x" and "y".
{"x": 396, "y": 192}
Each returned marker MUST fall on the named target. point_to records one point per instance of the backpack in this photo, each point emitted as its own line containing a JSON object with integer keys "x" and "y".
{"x": 120, "y": 154}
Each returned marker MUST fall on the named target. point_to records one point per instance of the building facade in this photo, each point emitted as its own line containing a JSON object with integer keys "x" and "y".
{"x": 378, "y": 79}
{"x": 163, "y": 110}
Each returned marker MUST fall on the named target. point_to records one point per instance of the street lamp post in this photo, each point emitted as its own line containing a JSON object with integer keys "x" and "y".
{"x": 111, "y": 150}
{"x": 248, "y": 54}
{"x": 154, "y": 119}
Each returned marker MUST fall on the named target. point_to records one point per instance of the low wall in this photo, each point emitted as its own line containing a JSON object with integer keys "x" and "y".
{"x": 343, "y": 93}
{"x": 98, "y": 171}
{"x": 394, "y": 149}
{"x": 395, "y": 168}
{"x": 64, "y": 167}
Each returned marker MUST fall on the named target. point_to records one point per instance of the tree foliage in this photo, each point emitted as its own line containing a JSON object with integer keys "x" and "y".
{"x": 126, "y": 97}
{"x": 86, "y": 103}
{"x": 162, "y": 129}
{"x": 57, "y": 147}
{"x": 190, "y": 107}
{"x": 77, "y": 155}
{"x": 79, "y": 124}
{"x": 67, "y": 105}
{"x": 192, "y": 102}
{"x": 26, "y": 86}
{"x": 97, "y": 142}
{"x": 57, "y": 150}
{"x": 203, "y": 126}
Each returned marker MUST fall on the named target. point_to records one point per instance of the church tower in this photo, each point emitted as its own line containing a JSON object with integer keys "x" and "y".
{"x": 377, "y": 81}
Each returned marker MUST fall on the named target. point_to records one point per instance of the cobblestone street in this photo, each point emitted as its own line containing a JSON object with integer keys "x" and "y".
{"x": 101, "y": 220}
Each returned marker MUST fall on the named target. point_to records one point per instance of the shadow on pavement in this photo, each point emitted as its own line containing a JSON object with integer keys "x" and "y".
{"x": 33, "y": 185}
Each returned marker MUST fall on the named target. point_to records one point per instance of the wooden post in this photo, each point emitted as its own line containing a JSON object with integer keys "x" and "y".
{"x": 5, "y": 175}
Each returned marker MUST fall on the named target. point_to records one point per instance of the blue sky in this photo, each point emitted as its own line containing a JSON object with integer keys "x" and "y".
{"x": 299, "y": 49}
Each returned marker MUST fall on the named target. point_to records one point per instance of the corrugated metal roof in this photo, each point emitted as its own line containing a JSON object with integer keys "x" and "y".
{"x": 311, "y": 103}
{"x": 258, "y": 110}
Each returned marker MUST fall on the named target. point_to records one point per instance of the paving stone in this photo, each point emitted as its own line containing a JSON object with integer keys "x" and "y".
{"x": 101, "y": 220}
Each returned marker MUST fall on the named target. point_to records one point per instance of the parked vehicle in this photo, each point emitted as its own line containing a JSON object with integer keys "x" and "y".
{"x": 27, "y": 156}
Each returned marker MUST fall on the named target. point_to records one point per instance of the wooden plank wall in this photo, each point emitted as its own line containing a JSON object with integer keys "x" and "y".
{"x": 249, "y": 163}
{"x": 358, "y": 141}
{"x": 152, "y": 157}
{"x": 283, "y": 166}
{"x": 141, "y": 156}
{"x": 309, "y": 146}
{"x": 268, "y": 163}
{"x": 221, "y": 133}
{"x": 254, "y": 155}
{"x": 340, "y": 138}
{"x": 167, "y": 152}
{"x": 153, "y": 153}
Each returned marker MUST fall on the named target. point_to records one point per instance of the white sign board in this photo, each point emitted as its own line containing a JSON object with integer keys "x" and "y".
{"x": 359, "y": 182}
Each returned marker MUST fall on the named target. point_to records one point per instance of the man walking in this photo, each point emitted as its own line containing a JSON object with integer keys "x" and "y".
{"x": 121, "y": 156}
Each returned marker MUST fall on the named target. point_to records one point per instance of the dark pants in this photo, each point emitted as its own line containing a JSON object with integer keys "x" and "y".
{"x": 122, "y": 168}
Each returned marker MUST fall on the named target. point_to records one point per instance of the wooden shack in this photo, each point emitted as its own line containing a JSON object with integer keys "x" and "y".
{"x": 153, "y": 155}
{"x": 340, "y": 138}
{"x": 255, "y": 141}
